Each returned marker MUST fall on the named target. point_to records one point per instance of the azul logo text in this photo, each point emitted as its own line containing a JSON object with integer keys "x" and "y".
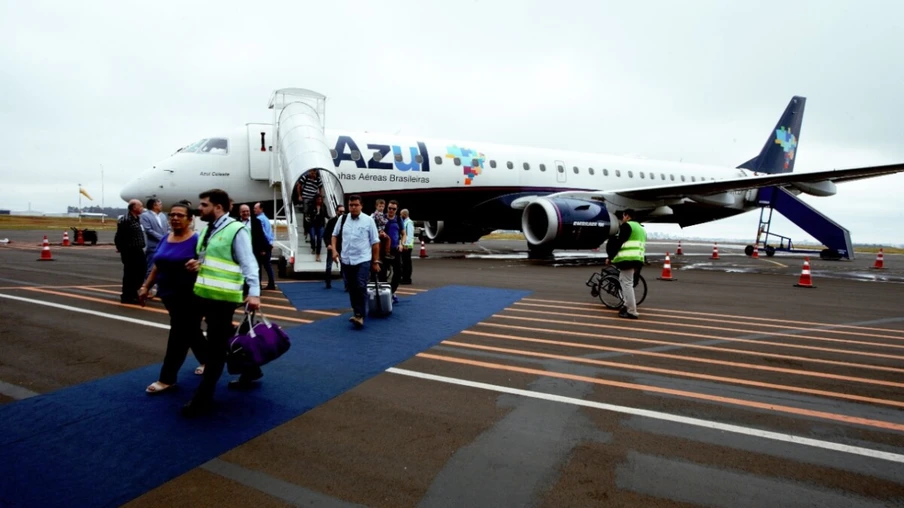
{"x": 377, "y": 156}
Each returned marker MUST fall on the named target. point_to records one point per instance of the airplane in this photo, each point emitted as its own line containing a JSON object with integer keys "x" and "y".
{"x": 462, "y": 190}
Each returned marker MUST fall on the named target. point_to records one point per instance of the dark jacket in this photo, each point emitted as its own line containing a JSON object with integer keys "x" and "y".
{"x": 328, "y": 233}
{"x": 258, "y": 238}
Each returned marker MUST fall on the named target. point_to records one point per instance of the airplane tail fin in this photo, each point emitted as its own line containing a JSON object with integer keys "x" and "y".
{"x": 778, "y": 153}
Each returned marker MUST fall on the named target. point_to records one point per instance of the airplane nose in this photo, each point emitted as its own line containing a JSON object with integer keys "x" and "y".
{"x": 130, "y": 191}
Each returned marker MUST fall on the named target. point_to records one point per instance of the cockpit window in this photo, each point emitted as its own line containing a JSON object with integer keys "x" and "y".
{"x": 208, "y": 145}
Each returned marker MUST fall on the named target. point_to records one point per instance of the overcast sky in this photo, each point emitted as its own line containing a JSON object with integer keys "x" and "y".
{"x": 123, "y": 85}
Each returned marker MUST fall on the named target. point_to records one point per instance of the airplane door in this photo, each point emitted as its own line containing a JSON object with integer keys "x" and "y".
{"x": 258, "y": 151}
{"x": 561, "y": 174}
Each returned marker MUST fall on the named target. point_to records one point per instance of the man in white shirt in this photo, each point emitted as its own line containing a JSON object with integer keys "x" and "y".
{"x": 360, "y": 255}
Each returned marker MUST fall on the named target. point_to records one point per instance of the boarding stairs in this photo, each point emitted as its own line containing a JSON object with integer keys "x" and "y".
{"x": 299, "y": 145}
{"x": 832, "y": 235}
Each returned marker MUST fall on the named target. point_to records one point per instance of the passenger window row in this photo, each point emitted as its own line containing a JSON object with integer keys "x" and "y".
{"x": 377, "y": 156}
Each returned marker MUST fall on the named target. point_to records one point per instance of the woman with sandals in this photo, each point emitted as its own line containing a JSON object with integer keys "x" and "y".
{"x": 175, "y": 287}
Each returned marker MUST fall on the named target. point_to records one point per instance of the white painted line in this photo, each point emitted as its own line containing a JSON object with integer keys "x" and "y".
{"x": 737, "y": 429}
{"x": 16, "y": 392}
{"x": 86, "y": 311}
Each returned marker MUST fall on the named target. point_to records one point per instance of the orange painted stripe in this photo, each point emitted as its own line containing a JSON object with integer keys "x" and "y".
{"x": 879, "y": 424}
{"x": 322, "y": 312}
{"x": 697, "y": 346}
{"x": 239, "y": 310}
{"x": 693, "y": 375}
{"x": 733, "y": 316}
{"x": 704, "y": 336}
{"x": 693, "y": 359}
{"x": 63, "y": 287}
{"x": 722, "y": 320}
{"x": 719, "y": 328}
{"x": 99, "y": 300}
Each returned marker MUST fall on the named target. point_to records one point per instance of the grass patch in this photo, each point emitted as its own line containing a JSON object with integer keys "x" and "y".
{"x": 22, "y": 222}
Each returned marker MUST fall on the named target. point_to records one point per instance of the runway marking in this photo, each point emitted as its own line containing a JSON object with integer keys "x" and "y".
{"x": 694, "y": 346}
{"x": 16, "y": 392}
{"x": 323, "y": 312}
{"x": 733, "y": 316}
{"x": 720, "y": 328}
{"x": 704, "y": 336}
{"x": 657, "y": 415}
{"x": 777, "y": 408}
{"x": 708, "y": 377}
{"x": 98, "y": 300}
{"x": 87, "y": 311}
{"x": 774, "y": 262}
{"x": 60, "y": 287}
{"x": 237, "y": 311}
{"x": 108, "y": 302}
{"x": 825, "y": 327}
{"x": 640, "y": 352}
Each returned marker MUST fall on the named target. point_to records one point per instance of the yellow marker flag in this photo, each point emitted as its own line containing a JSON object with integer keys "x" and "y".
{"x": 85, "y": 193}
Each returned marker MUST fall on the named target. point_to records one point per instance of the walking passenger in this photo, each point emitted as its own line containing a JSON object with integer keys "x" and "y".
{"x": 225, "y": 262}
{"x": 175, "y": 287}
{"x": 360, "y": 254}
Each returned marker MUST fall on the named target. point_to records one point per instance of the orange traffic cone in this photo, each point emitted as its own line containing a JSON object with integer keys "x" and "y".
{"x": 880, "y": 261}
{"x": 666, "y": 269}
{"x": 45, "y": 251}
{"x": 805, "y": 280}
{"x": 756, "y": 252}
{"x": 423, "y": 249}
{"x": 65, "y": 238}
{"x": 679, "y": 252}
{"x": 79, "y": 238}
{"x": 715, "y": 251}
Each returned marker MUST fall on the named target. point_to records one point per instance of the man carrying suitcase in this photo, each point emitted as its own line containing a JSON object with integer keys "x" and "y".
{"x": 360, "y": 254}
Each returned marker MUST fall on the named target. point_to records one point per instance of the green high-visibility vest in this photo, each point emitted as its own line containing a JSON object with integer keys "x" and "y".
{"x": 635, "y": 248}
{"x": 220, "y": 277}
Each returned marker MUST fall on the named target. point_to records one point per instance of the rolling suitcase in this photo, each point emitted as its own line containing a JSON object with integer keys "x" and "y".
{"x": 379, "y": 304}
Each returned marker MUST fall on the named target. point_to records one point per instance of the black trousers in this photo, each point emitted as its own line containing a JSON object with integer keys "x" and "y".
{"x": 185, "y": 333}
{"x": 134, "y": 266}
{"x": 220, "y": 330}
{"x": 396, "y": 264}
{"x": 264, "y": 263}
{"x": 406, "y": 265}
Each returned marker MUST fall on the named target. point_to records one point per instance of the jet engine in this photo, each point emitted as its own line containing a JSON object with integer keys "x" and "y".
{"x": 450, "y": 232}
{"x": 564, "y": 223}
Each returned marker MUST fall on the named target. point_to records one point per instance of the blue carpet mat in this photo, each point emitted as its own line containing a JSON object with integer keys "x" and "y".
{"x": 315, "y": 296}
{"x": 106, "y": 442}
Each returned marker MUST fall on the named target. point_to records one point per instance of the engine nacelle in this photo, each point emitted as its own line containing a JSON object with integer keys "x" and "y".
{"x": 823, "y": 188}
{"x": 562, "y": 223}
{"x": 442, "y": 231}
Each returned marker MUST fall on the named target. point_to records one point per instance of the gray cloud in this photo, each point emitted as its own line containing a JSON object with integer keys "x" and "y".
{"x": 123, "y": 85}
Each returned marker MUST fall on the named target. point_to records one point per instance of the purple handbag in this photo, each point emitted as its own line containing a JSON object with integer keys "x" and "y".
{"x": 262, "y": 343}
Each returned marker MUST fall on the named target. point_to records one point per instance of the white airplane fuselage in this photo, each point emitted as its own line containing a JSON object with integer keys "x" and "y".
{"x": 436, "y": 179}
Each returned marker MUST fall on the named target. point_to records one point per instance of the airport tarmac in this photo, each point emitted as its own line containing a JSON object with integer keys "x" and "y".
{"x": 735, "y": 388}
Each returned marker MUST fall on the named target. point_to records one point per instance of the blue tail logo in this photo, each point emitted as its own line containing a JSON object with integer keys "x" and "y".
{"x": 786, "y": 138}
{"x": 777, "y": 154}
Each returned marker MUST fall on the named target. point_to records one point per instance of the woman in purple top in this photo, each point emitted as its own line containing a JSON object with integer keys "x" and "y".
{"x": 175, "y": 286}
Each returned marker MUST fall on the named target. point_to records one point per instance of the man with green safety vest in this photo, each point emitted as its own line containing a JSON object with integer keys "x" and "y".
{"x": 226, "y": 266}
{"x": 631, "y": 242}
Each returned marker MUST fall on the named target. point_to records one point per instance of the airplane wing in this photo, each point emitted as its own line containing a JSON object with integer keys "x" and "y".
{"x": 677, "y": 191}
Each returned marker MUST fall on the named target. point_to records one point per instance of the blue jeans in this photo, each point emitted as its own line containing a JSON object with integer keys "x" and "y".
{"x": 356, "y": 279}
{"x": 316, "y": 238}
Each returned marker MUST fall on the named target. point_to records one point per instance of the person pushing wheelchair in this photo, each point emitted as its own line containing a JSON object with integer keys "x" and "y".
{"x": 626, "y": 251}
